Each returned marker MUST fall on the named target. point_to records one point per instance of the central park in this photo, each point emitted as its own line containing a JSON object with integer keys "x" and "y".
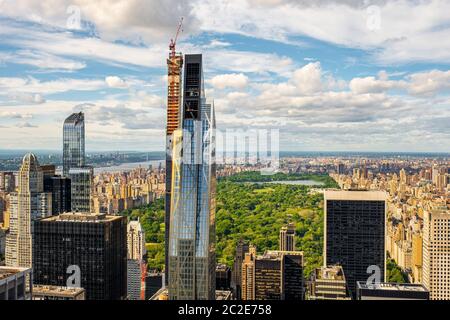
{"x": 254, "y": 207}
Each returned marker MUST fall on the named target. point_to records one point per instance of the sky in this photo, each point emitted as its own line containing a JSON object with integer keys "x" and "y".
{"x": 329, "y": 75}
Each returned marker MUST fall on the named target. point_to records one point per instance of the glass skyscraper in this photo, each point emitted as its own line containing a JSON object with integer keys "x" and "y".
{"x": 192, "y": 220}
{"x": 73, "y": 139}
{"x": 354, "y": 234}
{"x": 81, "y": 188}
{"x": 74, "y": 160}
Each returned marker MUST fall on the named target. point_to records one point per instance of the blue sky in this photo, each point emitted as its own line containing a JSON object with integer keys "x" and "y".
{"x": 330, "y": 75}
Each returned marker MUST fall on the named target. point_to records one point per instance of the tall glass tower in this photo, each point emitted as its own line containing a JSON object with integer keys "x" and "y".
{"x": 192, "y": 221}
{"x": 73, "y": 139}
{"x": 74, "y": 159}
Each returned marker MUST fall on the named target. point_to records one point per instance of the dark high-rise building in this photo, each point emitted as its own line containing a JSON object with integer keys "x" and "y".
{"x": 192, "y": 261}
{"x": 278, "y": 275}
{"x": 391, "y": 291}
{"x": 73, "y": 143}
{"x": 340, "y": 168}
{"x": 292, "y": 281}
{"x": 153, "y": 283}
{"x": 267, "y": 278}
{"x": 7, "y": 182}
{"x": 287, "y": 238}
{"x": 236, "y": 278}
{"x": 94, "y": 243}
{"x": 223, "y": 277}
{"x": 355, "y": 234}
{"x": 81, "y": 188}
{"x": 59, "y": 187}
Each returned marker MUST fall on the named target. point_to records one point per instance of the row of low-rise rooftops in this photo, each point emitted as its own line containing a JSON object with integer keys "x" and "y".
{"x": 392, "y": 286}
{"x": 356, "y": 195}
{"x": 6, "y": 272}
{"x": 330, "y": 273}
{"x": 277, "y": 254}
{"x": 56, "y": 291}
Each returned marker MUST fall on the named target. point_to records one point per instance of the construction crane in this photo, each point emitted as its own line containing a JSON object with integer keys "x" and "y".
{"x": 173, "y": 42}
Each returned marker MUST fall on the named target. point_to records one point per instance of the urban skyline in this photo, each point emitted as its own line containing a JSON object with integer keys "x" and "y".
{"x": 234, "y": 209}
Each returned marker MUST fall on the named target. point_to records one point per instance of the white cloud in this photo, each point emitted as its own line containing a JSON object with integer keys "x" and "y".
{"x": 116, "y": 82}
{"x": 215, "y": 43}
{"x": 27, "y": 98}
{"x": 422, "y": 83}
{"x": 339, "y": 22}
{"x": 231, "y": 80}
{"x": 247, "y": 62}
{"x": 133, "y": 20}
{"x": 308, "y": 79}
{"x": 43, "y": 60}
{"x": 26, "y": 125}
{"x": 16, "y": 86}
{"x": 429, "y": 83}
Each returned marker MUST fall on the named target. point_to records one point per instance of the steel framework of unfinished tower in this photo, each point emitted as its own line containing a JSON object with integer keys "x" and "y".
{"x": 192, "y": 218}
{"x": 175, "y": 65}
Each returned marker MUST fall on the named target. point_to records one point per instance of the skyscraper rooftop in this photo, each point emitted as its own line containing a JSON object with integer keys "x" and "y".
{"x": 75, "y": 118}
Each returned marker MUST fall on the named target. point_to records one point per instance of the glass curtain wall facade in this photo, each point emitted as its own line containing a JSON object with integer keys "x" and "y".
{"x": 355, "y": 234}
{"x": 80, "y": 179}
{"x": 73, "y": 142}
{"x": 192, "y": 221}
{"x": 95, "y": 243}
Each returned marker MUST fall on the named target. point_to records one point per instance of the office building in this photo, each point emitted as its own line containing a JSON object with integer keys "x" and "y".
{"x": 41, "y": 292}
{"x": 7, "y": 182}
{"x": 340, "y": 168}
{"x": 354, "y": 234}
{"x": 81, "y": 188}
{"x": 2, "y": 244}
{"x": 276, "y": 275}
{"x": 328, "y": 283}
{"x": 2, "y": 209}
{"x": 223, "y": 277}
{"x": 93, "y": 244}
{"x": 59, "y": 187}
{"x": 15, "y": 283}
{"x": 391, "y": 291}
{"x": 136, "y": 266}
{"x": 436, "y": 254}
{"x": 236, "y": 276}
{"x": 192, "y": 220}
{"x": 174, "y": 76}
{"x": 28, "y": 204}
{"x": 154, "y": 281}
{"x": 287, "y": 238}
{"x": 135, "y": 241}
{"x": 248, "y": 274}
{"x": 73, "y": 143}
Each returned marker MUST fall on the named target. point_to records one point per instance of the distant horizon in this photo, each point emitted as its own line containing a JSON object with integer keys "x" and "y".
{"x": 282, "y": 151}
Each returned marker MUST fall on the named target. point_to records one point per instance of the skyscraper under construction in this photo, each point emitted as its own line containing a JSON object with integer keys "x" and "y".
{"x": 192, "y": 219}
{"x": 175, "y": 65}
